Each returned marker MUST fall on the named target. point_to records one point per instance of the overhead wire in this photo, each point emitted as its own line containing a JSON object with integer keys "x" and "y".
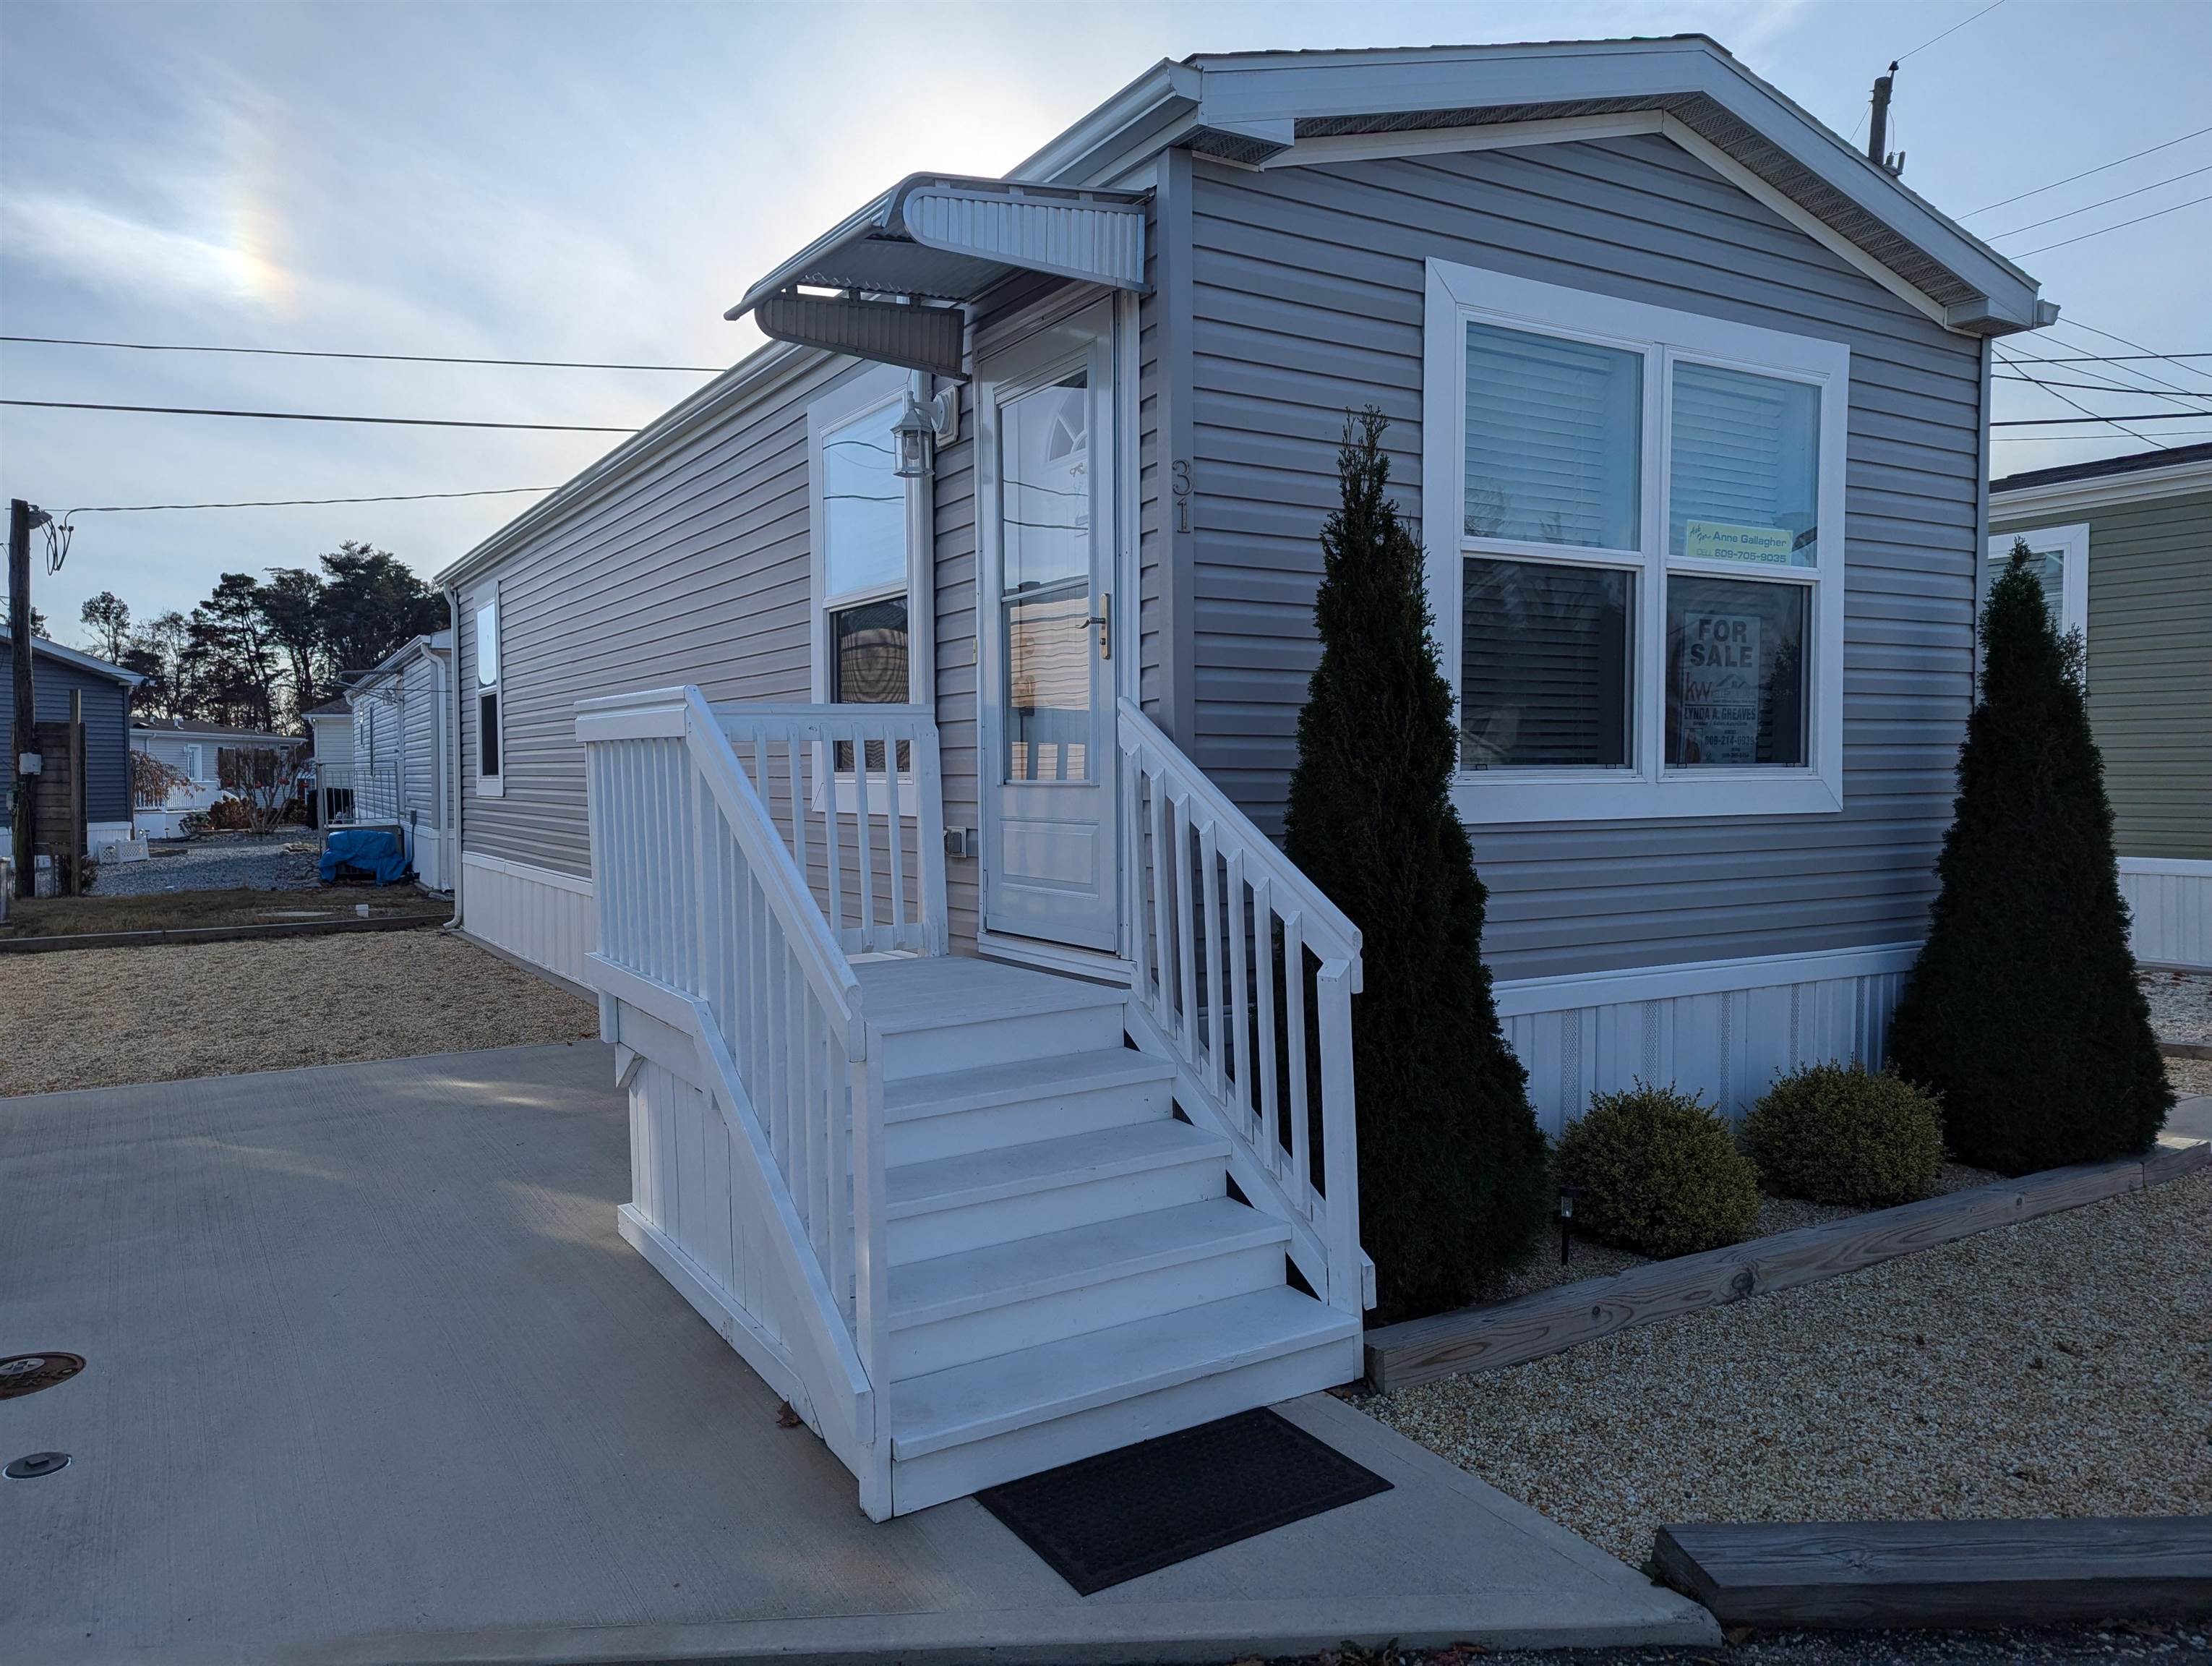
{"x": 2123, "y": 197}
{"x": 2081, "y": 324}
{"x": 298, "y": 502}
{"x": 388, "y": 358}
{"x": 2101, "y": 167}
{"x": 317, "y": 416}
{"x": 2155, "y": 214}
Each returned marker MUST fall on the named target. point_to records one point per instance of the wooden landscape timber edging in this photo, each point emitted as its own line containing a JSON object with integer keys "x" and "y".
{"x": 148, "y": 939}
{"x": 1970, "y": 1573}
{"x": 1479, "y": 1339}
{"x": 2186, "y": 1049}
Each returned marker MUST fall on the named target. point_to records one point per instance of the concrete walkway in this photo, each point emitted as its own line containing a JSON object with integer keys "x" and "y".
{"x": 374, "y": 1378}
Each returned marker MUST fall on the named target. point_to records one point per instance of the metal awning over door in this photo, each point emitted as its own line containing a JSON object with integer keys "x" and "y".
{"x": 888, "y": 282}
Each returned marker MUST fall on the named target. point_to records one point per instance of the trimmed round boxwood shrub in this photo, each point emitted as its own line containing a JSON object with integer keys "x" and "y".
{"x": 1659, "y": 1173}
{"x": 1841, "y": 1133}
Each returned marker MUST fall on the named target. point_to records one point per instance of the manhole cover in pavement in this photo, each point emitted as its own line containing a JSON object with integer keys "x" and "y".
{"x": 27, "y": 1373}
{"x": 38, "y": 1463}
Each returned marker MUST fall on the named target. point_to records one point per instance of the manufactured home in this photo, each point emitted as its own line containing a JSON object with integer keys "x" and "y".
{"x": 2123, "y": 547}
{"x": 897, "y": 733}
{"x": 196, "y": 751}
{"x": 102, "y": 691}
{"x": 395, "y": 774}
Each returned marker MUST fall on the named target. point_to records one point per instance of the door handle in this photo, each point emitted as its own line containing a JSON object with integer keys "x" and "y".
{"x": 1103, "y": 618}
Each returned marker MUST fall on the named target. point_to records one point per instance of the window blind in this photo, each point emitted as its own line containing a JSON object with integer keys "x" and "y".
{"x": 1554, "y": 437}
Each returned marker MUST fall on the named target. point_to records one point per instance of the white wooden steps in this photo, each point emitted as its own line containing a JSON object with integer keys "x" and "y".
{"x": 1068, "y": 1273}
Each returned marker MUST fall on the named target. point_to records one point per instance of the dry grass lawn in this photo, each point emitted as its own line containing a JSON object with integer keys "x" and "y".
{"x": 68, "y": 916}
{"x": 100, "y": 1018}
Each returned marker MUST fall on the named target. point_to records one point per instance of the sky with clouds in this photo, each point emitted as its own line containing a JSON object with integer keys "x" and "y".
{"x": 599, "y": 181}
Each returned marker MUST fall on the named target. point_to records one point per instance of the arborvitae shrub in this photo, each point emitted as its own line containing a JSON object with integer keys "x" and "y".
{"x": 1659, "y": 1172}
{"x": 2023, "y": 1013}
{"x": 1841, "y": 1133}
{"x": 1452, "y": 1179}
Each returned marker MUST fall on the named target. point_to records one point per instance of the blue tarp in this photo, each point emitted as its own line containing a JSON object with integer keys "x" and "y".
{"x": 375, "y": 852}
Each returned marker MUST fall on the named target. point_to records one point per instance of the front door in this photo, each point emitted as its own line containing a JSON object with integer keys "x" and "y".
{"x": 1045, "y": 512}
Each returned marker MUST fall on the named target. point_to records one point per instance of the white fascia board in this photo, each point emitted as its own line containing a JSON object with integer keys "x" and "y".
{"x": 1237, "y": 93}
{"x": 1162, "y": 99}
{"x": 2069, "y": 497}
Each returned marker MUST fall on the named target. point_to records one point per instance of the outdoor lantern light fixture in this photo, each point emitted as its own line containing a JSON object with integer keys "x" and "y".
{"x": 921, "y": 428}
{"x": 1568, "y": 1193}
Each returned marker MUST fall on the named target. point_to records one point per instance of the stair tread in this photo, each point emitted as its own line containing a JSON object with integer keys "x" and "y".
{"x": 1000, "y": 1275}
{"x": 944, "y": 1182}
{"x": 1074, "y": 1374}
{"x": 1017, "y": 1079}
{"x": 937, "y": 991}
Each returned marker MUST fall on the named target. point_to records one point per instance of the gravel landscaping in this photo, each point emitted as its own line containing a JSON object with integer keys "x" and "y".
{"x": 2180, "y": 1004}
{"x": 1587, "y": 1259}
{"x": 99, "y": 1018}
{"x": 217, "y": 861}
{"x": 2132, "y": 1641}
{"x": 2060, "y": 1367}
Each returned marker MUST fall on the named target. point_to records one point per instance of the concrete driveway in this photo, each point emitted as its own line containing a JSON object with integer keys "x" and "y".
{"x": 372, "y": 1377}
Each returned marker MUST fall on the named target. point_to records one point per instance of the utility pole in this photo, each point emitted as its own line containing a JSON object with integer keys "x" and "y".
{"x": 23, "y": 742}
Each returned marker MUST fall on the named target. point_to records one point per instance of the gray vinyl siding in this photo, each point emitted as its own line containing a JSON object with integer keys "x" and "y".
{"x": 2150, "y": 666}
{"x": 107, "y": 726}
{"x": 1306, "y": 301}
{"x": 689, "y": 567}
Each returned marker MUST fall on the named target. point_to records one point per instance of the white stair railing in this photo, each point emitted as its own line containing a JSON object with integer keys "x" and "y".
{"x": 1243, "y": 974}
{"x": 858, "y": 794}
{"x": 706, "y": 922}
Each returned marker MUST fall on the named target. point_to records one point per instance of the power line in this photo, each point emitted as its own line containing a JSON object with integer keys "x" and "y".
{"x": 2052, "y": 439}
{"x": 1952, "y": 30}
{"x": 2092, "y": 416}
{"x": 2122, "y": 198}
{"x": 2077, "y": 324}
{"x": 297, "y": 502}
{"x": 2116, "y": 422}
{"x": 389, "y": 358}
{"x": 2108, "y": 379}
{"x": 315, "y": 416}
{"x": 2092, "y": 387}
{"x": 2119, "y": 358}
{"x": 2122, "y": 226}
{"x": 2084, "y": 173}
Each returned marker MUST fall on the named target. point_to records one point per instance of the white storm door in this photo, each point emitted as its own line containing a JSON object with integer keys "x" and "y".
{"x": 1045, "y": 517}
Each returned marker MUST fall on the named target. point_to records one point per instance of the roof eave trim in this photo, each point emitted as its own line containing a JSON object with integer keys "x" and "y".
{"x": 2101, "y": 491}
{"x": 44, "y": 647}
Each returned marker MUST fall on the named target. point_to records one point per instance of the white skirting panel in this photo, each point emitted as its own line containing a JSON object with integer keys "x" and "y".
{"x": 1721, "y": 1029}
{"x": 431, "y": 850}
{"x": 681, "y": 1217}
{"x": 542, "y": 916}
{"x": 2171, "y": 902}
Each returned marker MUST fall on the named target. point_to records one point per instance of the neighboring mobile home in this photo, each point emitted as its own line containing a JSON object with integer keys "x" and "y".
{"x": 197, "y": 748}
{"x": 401, "y": 731}
{"x": 1690, "y": 403}
{"x": 57, "y": 672}
{"x": 2123, "y": 546}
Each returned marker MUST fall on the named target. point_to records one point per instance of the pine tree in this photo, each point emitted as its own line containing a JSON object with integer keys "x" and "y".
{"x": 2023, "y": 1011}
{"x": 1452, "y": 1168}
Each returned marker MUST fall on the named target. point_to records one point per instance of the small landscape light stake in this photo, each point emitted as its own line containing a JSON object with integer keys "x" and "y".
{"x": 1568, "y": 1193}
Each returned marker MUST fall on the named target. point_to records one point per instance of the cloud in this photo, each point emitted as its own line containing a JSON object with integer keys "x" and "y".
{"x": 83, "y": 241}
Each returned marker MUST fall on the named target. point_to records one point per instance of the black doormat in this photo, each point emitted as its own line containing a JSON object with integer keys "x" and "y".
{"x": 1102, "y": 1520}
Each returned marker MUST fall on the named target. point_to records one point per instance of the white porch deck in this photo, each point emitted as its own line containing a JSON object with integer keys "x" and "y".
{"x": 947, "y": 1207}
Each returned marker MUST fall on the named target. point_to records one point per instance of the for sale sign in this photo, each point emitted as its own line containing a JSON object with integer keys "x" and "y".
{"x": 1719, "y": 707}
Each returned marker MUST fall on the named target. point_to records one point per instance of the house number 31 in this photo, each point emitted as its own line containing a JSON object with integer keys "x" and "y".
{"x": 1179, "y": 484}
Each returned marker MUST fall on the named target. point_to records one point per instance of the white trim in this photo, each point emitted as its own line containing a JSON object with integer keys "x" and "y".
{"x": 1456, "y": 293}
{"x": 2072, "y": 543}
{"x": 1814, "y": 227}
{"x": 2066, "y": 497}
{"x": 2179, "y": 867}
{"x": 1521, "y": 996}
{"x": 1440, "y": 141}
{"x": 575, "y": 885}
{"x": 1097, "y": 964}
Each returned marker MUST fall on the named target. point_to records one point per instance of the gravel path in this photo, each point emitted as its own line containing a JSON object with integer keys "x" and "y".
{"x": 2149, "y": 1641}
{"x": 2061, "y": 1367}
{"x": 2180, "y": 1004}
{"x": 104, "y": 1017}
{"x": 218, "y": 862}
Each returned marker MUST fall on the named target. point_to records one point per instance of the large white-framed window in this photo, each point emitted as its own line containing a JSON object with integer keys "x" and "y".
{"x": 491, "y": 714}
{"x": 869, "y": 621}
{"x": 2059, "y": 556}
{"x": 1635, "y": 532}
